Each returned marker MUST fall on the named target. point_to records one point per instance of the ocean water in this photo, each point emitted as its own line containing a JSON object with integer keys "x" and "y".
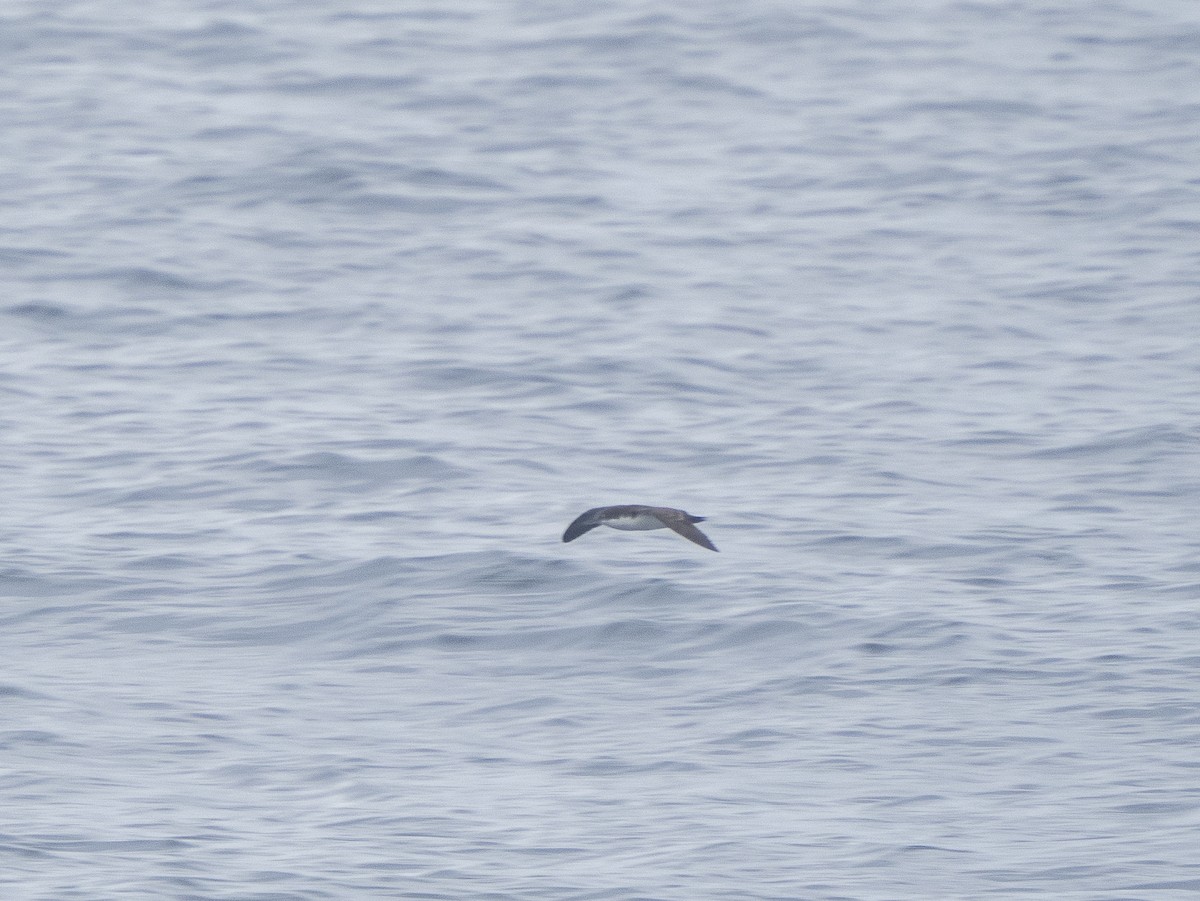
{"x": 321, "y": 321}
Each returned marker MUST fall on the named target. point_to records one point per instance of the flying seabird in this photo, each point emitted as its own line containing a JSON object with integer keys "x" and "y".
{"x": 637, "y": 518}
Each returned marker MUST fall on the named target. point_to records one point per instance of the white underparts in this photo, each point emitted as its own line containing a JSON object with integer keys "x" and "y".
{"x": 641, "y": 523}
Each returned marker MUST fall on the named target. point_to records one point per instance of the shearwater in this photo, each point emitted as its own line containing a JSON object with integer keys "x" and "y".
{"x": 637, "y": 518}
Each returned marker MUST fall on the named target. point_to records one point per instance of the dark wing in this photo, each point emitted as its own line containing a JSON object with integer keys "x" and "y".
{"x": 680, "y": 522}
{"x": 585, "y": 522}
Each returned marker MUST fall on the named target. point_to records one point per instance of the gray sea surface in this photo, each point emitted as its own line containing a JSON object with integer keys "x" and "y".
{"x": 320, "y": 321}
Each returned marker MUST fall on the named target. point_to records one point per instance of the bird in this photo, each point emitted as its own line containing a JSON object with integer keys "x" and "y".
{"x": 637, "y": 518}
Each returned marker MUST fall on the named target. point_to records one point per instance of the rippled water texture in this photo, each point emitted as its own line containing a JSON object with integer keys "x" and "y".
{"x": 321, "y": 321}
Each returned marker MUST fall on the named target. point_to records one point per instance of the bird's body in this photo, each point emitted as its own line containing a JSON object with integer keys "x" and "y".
{"x": 638, "y": 518}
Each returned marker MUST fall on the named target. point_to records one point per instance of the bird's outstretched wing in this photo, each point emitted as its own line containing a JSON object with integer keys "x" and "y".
{"x": 584, "y": 522}
{"x": 679, "y": 522}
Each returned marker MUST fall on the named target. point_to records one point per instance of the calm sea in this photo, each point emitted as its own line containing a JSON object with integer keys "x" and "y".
{"x": 320, "y": 321}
